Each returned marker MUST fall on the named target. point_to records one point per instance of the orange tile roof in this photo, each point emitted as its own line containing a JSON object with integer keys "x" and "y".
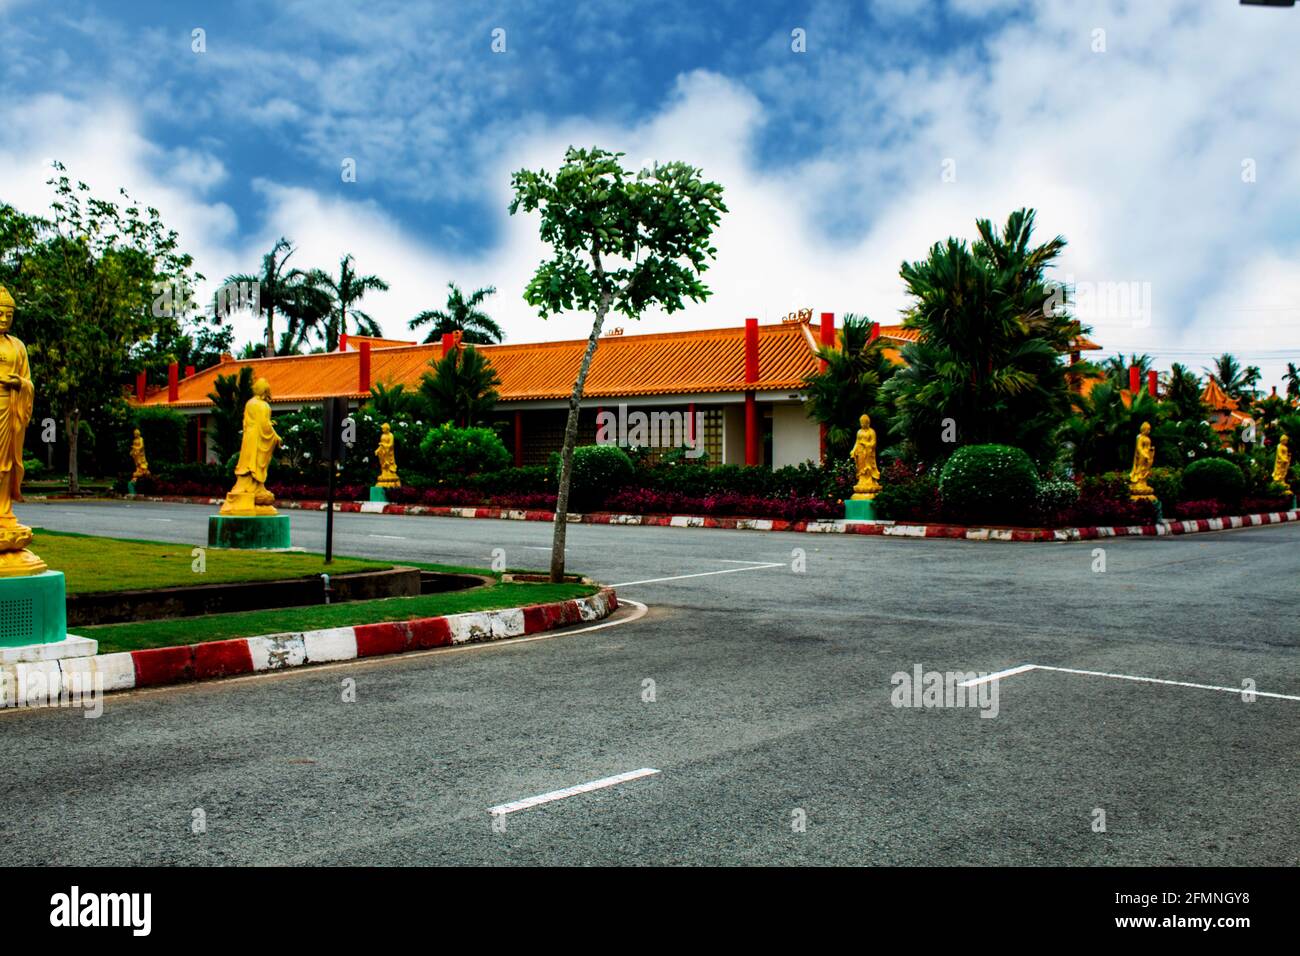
{"x": 1214, "y": 396}
{"x": 352, "y": 343}
{"x": 667, "y": 363}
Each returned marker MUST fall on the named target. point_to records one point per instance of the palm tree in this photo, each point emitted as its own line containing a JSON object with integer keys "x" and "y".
{"x": 850, "y": 384}
{"x": 229, "y": 396}
{"x": 393, "y": 401}
{"x": 1116, "y": 368}
{"x": 1232, "y": 378}
{"x": 462, "y": 389}
{"x": 345, "y": 291}
{"x": 292, "y": 292}
{"x": 462, "y": 315}
{"x": 1292, "y": 379}
{"x": 989, "y": 356}
{"x": 1183, "y": 394}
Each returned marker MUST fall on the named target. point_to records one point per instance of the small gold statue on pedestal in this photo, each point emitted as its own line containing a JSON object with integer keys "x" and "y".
{"x": 1282, "y": 463}
{"x": 17, "y": 395}
{"x": 387, "y": 455}
{"x": 1144, "y": 456}
{"x": 137, "y": 456}
{"x": 863, "y": 457}
{"x": 259, "y": 442}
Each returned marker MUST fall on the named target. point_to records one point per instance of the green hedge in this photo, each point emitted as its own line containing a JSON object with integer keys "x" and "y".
{"x": 163, "y": 431}
{"x": 991, "y": 483}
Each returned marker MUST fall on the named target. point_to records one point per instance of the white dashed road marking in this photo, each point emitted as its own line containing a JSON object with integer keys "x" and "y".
{"x": 504, "y": 808}
{"x": 1023, "y": 668}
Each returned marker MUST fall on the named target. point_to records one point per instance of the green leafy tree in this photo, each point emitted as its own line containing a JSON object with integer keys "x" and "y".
{"x": 621, "y": 242}
{"x": 988, "y": 367}
{"x": 345, "y": 291}
{"x": 229, "y": 395}
{"x": 462, "y": 388}
{"x": 461, "y": 314}
{"x": 1183, "y": 394}
{"x": 850, "y": 386}
{"x": 87, "y": 287}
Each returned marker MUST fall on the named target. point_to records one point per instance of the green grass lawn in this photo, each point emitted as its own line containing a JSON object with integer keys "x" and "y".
{"x": 92, "y": 563}
{"x": 215, "y": 627}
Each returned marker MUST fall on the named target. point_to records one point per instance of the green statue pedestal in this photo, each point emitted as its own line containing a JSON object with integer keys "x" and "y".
{"x": 249, "y": 532}
{"x": 378, "y": 493}
{"x": 859, "y": 509}
{"x": 130, "y": 487}
{"x": 34, "y": 620}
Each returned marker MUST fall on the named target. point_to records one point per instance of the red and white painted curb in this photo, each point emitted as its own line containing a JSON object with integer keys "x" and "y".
{"x": 838, "y": 526}
{"x": 34, "y": 684}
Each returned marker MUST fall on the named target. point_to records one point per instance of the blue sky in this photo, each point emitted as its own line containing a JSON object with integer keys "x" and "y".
{"x": 834, "y": 158}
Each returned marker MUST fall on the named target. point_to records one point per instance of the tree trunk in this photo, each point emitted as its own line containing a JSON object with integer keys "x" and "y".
{"x": 270, "y": 331}
{"x": 72, "y": 427}
{"x": 571, "y": 439}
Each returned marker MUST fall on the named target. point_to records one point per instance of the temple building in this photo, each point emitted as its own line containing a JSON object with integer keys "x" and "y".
{"x": 742, "y": 387}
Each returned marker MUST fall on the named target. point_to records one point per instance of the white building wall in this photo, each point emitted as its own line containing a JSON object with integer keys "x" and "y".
{"x": 733, "y": 434}
{"x": 795, "y": 437}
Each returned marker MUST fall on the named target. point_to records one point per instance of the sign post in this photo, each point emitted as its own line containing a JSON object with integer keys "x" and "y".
{"x": 334, "y": 450}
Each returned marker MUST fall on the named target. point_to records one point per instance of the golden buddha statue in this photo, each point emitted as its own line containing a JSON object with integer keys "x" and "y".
{"x": 863, "y": 457}
{"x": 1282, "y": 463}
{"x": 387, "y": 456}
{"x": 137, "y": 456}
{"x": 250, "y": 497}
{"x": 1144, "y": 456}
{"x": 17, "y": 395}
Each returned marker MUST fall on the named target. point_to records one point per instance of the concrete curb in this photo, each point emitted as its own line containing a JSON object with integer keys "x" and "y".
{"x": 43, "y": 682}
{"x": 828, "y": 526}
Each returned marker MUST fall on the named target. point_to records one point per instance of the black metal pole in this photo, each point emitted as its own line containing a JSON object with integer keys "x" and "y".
{"x": 329, "y": 518}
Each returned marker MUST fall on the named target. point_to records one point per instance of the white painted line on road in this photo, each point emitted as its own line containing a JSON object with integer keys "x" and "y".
{"x": 1171, "y": 683}
{"x": 158, "y": 519}
{"x": 1025, "y": 668}
{"x": 738, "y": 561}
{"x": 390, "y": 537}
{"x": 702, "y": 574}
{"x": 554, "y": 795}
{"x": 988, "y": 678}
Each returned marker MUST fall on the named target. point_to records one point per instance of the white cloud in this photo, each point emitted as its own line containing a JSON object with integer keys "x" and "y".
{"x": 1134, "y": 155}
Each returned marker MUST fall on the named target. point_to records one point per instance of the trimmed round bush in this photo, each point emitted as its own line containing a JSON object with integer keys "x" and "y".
{"x": 449, "y": 453}
{"x": 1215, "y": 478}
{"x": 992, "y": 483}
{"x": 598, "y": 471}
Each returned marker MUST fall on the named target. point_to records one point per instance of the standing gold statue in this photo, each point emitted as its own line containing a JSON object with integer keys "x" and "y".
{"x": 1282, "y": 463}
{"x": 259, "y": 442}
{"x": 17, "y": 394}
{"x": 387, "y": 459}
{"x": 137, "y": 456}
{"x": 1144, "y": 456}
{"x": 864, "y": 457}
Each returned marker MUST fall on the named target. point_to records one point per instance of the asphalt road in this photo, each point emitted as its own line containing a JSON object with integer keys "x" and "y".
{"x": 771, "y": 705}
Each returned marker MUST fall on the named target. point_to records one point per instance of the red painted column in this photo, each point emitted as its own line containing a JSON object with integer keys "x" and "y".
{"x": 173, "y": 382}
{"x": 448, "y": 340}
{"x": 189, "y": 371}
{"x": 751, "y": 405}
{"x": 1152, "y": 381}
{"x": 364, "y": 377}
{"x": 141, "y": 383}
{"x": 519, "y": 439}
{"x": 343, "y": 342}
{"x": 1134, "y": 379}
{"x": 828, "y": 340}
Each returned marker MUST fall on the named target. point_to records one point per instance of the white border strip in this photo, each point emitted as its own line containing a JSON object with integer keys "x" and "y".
{"x": 601, "y": 784}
